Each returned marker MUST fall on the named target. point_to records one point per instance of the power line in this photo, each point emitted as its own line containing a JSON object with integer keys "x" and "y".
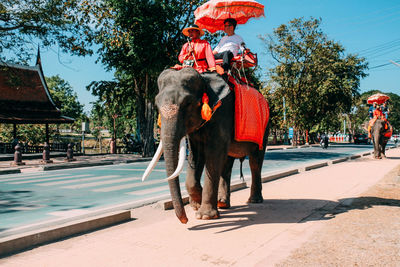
{"x": 382, "y": 65}
{"x": 377, "y": 47}
{"x": 391, "y": 61}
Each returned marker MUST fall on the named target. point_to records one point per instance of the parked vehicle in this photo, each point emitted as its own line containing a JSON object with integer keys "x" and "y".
{"x": 131, "y": 145}
{"x": 361, "y": 139}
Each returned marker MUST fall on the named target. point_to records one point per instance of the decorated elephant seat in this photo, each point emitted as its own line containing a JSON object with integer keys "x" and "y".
{"x": 246, "y": 60}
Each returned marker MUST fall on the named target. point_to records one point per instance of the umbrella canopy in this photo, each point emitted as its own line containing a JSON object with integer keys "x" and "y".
{"x": 211, "y": 15}
{"x": 378, "y": 98}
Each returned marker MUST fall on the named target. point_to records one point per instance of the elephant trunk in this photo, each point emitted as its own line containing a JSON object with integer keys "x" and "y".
{"x": 377, "y": 140}
{"x": 170, "y": 146}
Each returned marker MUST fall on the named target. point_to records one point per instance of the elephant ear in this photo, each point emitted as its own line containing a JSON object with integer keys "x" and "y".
{"x": 217, "y": 89}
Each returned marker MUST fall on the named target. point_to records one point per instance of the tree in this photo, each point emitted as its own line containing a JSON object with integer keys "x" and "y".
{"x": 64, "y": 22}
{"x": 65, "y": 98}
{"x": 138, "y": 40}
{"x": 312, "y": 72}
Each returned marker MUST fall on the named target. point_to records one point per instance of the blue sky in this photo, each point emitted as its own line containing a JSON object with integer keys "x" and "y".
{"x": 369, "y": 28}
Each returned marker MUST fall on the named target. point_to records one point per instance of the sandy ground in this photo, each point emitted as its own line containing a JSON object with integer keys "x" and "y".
{"x": 346, "y": 214}
{"x": 365, "y": 232}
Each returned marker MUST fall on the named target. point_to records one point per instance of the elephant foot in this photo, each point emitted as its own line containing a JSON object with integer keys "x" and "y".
{"x": 194, "y": 204}
{"x": 223, "y": 204}
{"x": 255, "y": 199}
{"x": 207, "y": 214}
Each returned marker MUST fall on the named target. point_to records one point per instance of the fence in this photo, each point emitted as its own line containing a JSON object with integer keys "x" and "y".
{"x": 8, "y": 148}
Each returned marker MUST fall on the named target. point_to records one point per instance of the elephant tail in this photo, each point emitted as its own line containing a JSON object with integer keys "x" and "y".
{"x": 241, "y": 169}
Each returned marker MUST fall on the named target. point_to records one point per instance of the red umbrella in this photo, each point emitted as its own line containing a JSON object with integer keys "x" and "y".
{"x": 211, "y": 15}
{"x": 378, "y": 98}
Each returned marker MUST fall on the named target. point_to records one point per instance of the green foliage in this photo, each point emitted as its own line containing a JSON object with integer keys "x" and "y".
{"x": 32, "y": 134}
{"x": 101, "y": 118}
{"x": 317, "y": 79}
{"x": 64, "y": 97}
{"x": 64, "y": 22}
{"x": 138, "y": 40}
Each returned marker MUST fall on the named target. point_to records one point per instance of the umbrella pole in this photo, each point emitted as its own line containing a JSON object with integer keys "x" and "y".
{"x": 194, "y": 57}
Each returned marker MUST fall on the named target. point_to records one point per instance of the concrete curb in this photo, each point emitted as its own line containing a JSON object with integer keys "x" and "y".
{"x": 74, "y": 165}
{"x": 340, "y": 160}
{"x": 355, "y": 156}
{"x": 9, "y": 171}
{"x": 279, "y": 175}
{"x": 21, "y": 242}
{"x": 316, "y": 166}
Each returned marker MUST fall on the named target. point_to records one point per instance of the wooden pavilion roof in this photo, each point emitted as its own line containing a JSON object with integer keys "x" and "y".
{"x": 24, "y": 96}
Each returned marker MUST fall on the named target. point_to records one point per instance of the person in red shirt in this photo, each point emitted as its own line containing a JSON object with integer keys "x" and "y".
{"x": 378, "y": 113}
{"x": 196, "y": 52}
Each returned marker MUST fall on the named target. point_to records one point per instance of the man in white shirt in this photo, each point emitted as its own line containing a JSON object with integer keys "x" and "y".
{"x": 229, "y": 45}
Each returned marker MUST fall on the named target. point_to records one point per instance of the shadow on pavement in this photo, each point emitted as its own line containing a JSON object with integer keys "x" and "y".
{"x": 302, "y": 156}
{"x": 393, "y": 157}
{"x": 275, "y": 211}
{"x": 10, "y": 201}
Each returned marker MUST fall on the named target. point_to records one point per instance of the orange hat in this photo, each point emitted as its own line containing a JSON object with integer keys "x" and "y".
{"x": 193, "y": 27}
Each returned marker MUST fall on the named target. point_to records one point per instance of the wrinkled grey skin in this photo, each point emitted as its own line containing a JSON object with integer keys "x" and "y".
{"x": 211, "y": 145}
{"x": 378, "y": 138}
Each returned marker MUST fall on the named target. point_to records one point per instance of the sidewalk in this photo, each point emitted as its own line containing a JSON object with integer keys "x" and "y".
{"x": 264, "y": 234}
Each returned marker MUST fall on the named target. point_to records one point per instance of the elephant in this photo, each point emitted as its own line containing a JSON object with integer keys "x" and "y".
{"x": 211, "y": 143}
{"x": 380, "y": 133}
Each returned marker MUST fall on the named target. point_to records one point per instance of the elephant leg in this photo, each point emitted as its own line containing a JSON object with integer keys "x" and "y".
{"x": 255, "y": 161}
{"x": 384, "y": 147}
{"x": 194, "y": 172}
{"x": 381, "y": 148}
{"x": 224, "y": 188}
{"x": 208, "y": 209}
{"x": 376, "y": 148}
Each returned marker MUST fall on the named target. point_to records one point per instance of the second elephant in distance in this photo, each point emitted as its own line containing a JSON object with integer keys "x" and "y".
{"x": 211, "y": 143}
{"x": 381, "y": 131}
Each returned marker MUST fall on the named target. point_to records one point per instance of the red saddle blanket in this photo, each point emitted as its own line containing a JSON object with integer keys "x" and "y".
{"x": 251, "y": 114}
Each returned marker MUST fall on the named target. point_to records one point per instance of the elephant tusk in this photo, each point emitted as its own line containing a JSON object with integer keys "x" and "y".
{"x": 154, "y": 161}
{"x": 181, "y": 161}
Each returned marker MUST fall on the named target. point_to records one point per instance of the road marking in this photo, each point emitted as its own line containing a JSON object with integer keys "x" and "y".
{"x": 131, "y": 185}
{"x": 98, "y": 183}
{"x": 140, "y": 170}
{"x": 49, "y": 179}
{"x": 158, "y": 189}
{"x": 43, "y": 175}
{"x": 80, "y": 180}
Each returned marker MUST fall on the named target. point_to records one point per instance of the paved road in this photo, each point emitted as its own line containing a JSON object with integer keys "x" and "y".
{"x": 37, "y": 197}
{"x": 295, "y": 210}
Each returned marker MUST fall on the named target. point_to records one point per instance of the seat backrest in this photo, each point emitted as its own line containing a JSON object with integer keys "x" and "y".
{"x": 248, "y": 59}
